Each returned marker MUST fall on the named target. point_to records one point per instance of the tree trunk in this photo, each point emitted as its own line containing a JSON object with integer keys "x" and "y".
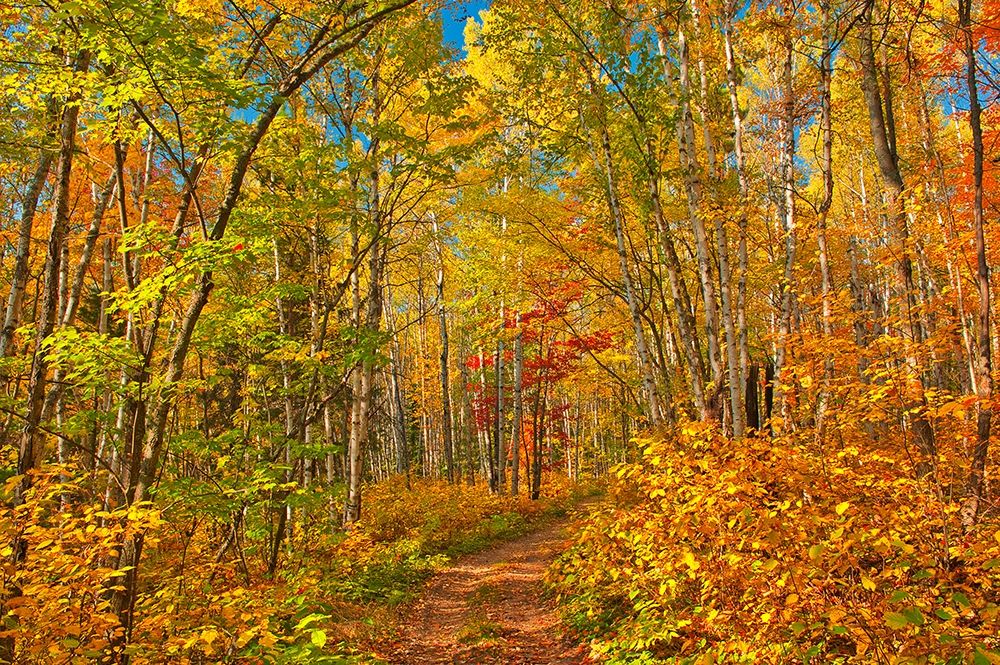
{"x": 397, "y": 407}
{"x": 30, "y": 452}
{"x": 893, "y": 182}
{"x": 618, "y": 221}
{"x": 687, "y": 328}
{"x": 826, "y": 166}
{"x": 499, "y": 462}
{"x": 977, "y": 472}
{"x": 742, "y": 220}
{"x": 692, "y": 183}
{"x": 728, "y": 323}
{"x": 752, "y": 400}
{"x": 517, "y": 428}
{"x": 788, "y": 226}
{"x": 536, "y": 461}
{"x": 446, "y": 428}
{"x": 19, "y": 276}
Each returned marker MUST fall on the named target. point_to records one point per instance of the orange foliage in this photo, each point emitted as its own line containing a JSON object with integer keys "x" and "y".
{"x": 196, "y": 607}
{"x": 779, "y": 551}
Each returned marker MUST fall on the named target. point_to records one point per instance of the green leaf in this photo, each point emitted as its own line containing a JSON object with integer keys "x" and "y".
{"x": 914, "y": 616}
{"x": 309, "y": 619}
{"x": 895, "y": 620}
{"x": 899, "y": 596}
{"x": 318, "y": 638}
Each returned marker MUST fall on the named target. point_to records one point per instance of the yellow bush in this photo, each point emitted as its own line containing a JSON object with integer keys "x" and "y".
{"x": 776, "y": 551}
{"x": 57, "y": 607}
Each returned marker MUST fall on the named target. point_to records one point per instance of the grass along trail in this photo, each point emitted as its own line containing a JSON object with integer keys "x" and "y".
{"x": 488, "y": 608}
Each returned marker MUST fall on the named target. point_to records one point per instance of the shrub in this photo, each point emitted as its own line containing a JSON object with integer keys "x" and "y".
{"x": 780, "y": 551}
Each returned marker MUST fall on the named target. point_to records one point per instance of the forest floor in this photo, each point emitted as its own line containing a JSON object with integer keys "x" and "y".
{"x": 489, "y": 608}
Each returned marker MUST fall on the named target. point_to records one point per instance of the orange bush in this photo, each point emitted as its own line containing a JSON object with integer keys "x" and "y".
{"x": 779, "y": 551}
{"x": 197, "y": 607}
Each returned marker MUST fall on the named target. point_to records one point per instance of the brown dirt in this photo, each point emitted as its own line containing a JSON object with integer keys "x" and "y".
{"x": 488, "y": 608}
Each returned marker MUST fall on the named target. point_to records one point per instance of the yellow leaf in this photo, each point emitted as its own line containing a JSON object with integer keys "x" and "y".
{"x": 842, "y": 507}
{"x": 867, "y": 583}
{"x": 690, "y": 561}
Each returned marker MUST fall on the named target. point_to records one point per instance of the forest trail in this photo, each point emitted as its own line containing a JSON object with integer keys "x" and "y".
{"x": 488, "y": 608}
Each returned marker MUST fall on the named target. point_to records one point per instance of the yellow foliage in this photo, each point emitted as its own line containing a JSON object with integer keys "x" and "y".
{"x": 198, "y": 8}
{"x": 777, "y": 551}
{"x": 198, "y": 607}
{"x": 58, "y": 606}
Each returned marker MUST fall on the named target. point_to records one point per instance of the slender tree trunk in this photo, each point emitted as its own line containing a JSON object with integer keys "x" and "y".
{"x": 752, "y": 400}
{"x": 893, "y": 181}
{"x": 788, "y": 227}
{"x": 501, "y": 416}
{"x": 826, "y": 132}
{"x": 446, "y": 423}
{"x": 617, "y": 219}
{"x": 517, "y": 428}
{"x": 536, "y": 462}
{"x": 425, "y": 425}
{"x": 977, "y": 472}
{"x": 703, "y": 101}
{"x": 19, "y": 275}
{"x": 742, "y": 220}
{"x": 498, "y": 470}
{"x": 686, "y": 326}
{"x": 722, "y": 243}
{"x": 729, "y": 325}
{"x": 692, "y": 182}
{"x": 31, "y": 442}
{"x": 397, "y": 406}
{"x": 468, "y": 417}
{"x": 360, "y": 416}
{"x": 578, "y": 437}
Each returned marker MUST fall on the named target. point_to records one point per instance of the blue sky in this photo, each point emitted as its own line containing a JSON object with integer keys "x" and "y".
{"x": 454, "y": 16}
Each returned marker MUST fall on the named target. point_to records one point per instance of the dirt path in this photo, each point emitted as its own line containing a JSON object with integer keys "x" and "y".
{"x": 488, "y": 608}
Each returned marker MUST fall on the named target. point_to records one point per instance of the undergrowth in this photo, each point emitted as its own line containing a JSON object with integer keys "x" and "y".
{"x": 331, "y": 594}
{"x": 782, "y": 551}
